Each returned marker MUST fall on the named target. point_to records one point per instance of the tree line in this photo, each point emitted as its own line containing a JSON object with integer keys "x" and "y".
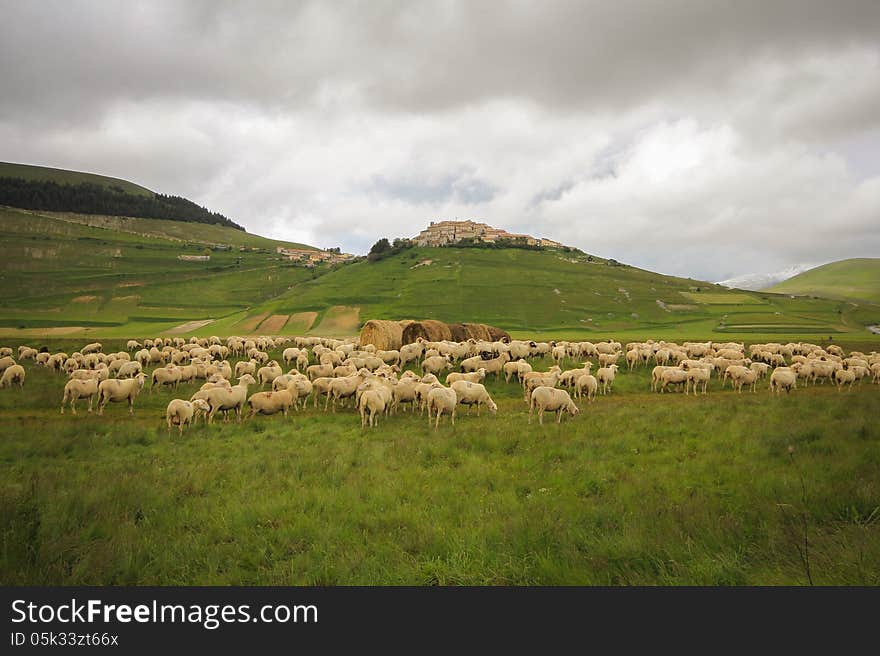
{"x": 89, "y": 198}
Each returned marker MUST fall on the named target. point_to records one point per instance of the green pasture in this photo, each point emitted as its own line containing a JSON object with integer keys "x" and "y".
{"x": 855, "y": 279}
{"x": 640, "y": 488}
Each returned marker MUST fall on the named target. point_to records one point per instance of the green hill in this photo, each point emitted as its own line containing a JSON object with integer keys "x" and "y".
{"x": 856, "y": 279}
{"x": 70, "y": 274}
{"x": 62, "y": 276}
{"x": 62, "y": 176}
{"x": 554, "y": 294}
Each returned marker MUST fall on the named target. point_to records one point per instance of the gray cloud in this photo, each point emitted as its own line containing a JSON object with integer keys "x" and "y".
{"x": 704, "y": 139}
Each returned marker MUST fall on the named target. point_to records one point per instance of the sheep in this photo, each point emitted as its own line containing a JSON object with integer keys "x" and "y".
{"x": 169, "y": 375}
{"x": 289, "y": 355}
{"x": 570, "y": 377}
{"x": 673, "y": 376}
{"x": 316, "y": 371}
{"x": 269, "y": 373}
{"x": 535, "y": 379}
{"x": 516, "y": 368}
{"x": 269, "y": 403}
{"x": 656, "y": 374}
{"x": 588, "y": 384}
{"x": 697, "y": 376}
{"x": 342, "y": 388}
{"x": 747, "y": 377}
{"x": 79, "y": 389}
{"x": 13, "y": 374}
{"x": 469, "y": 394}
{"x": 299, "y": 387}
{"x": 436, "y": 364}
{"x": 5, "y": 351}
{"x": 474, "y": 376}
{"x": 181, "y": 412}
{"x": 372, "y": 402}
{"x": 26, "y": 353}
{"x": 607, "y": 359}
{"x": 441, "y": 400}
{"x": 605, "y": 376}
{"x": 94, "y": 347}
{"x": 114, "y": 389}
{"x": 6, "y": 362}
{"x": 844, "y": 376}
{"x": 404, "y": 392}
{"x": 760, "y": 368}
{"x": 783, "y": 378}
{"x": 245, "y": 367}
{"x": 320, "y": 386}
{"x": 232, "y": 398}
{"x": 633, "y": 358}
{"x": 549, "y": 398}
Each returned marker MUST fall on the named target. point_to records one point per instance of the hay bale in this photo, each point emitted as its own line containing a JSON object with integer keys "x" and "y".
{"x": 459, "y": 332}
{"x": 497, "y": 334}
{"x": 478, "y": 331}
{"x": 429, "y": 329}
{"x": 384, "y": 335}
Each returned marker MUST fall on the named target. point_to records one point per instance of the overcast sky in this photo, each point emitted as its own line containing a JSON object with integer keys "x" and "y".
{"x": 694, "y": 138}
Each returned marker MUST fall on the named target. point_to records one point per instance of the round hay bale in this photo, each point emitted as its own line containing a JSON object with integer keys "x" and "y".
{"x": 478, "y": 331}
{"x": 429, "y": 329}
{"x": 384, "y": 335}
{"x": 498, "y": 335}
{"x": 459, "y": 332}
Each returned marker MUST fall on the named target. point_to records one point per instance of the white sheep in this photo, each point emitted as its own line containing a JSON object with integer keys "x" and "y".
{"x": 12, "y": 375}
{"x": 441, "y": 400}
{"x": 473, "y": 376}
{"x": 181, "y": 412}
{"x": 605, "y": 376}
{"x": 549, "y": 398}
{"x": 115, "y": 390}
{"x": 471, "y": 394}
{"x": 79, "y": 389}
{"x": 372, "y": 403}
{"x": 226, "y": 399}
{"x": 783, "y": 378}
{"x": 270, "y": 403}
{"x": 586, "y": 383}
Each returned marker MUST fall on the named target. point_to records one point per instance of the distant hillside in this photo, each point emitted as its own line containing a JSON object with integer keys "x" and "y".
{"x": 61, "y": 275}
{"x": 759, "y": 281}
{"x": 855, "y": 279}
{"x": 62, "y": 176}
{"x": 55, "y": 190}
{"x": 549, "y": 293}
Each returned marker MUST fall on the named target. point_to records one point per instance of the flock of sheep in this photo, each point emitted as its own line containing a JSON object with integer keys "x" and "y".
{"x": 380, "y": 382}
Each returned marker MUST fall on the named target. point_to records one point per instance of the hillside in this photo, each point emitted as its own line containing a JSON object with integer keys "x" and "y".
{"x": 63, "y": 176}
{"x": 553, "y": 294}
{"x": 69, "y": 274}
{"x": 56, "y": 190}
{"x": 856, "y": 279}
{"x": 62, "y": 276}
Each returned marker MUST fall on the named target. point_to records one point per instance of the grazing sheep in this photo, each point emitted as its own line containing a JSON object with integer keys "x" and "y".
{"x": 697, "y": 376}
{"x": 748, "y": 377}
{"x": 783, "y": 378}
{"x": 404, "y": 392}
{"x": 474, "y": 376}
{"x": 436, "y": 364}
{"x": 470, "y": 394}
{"x": 6, "y": 362}
{"x": 607, "y": 359}
{"x": 588, "y": 384}
{"x": 269, "y": 373}
{"x": 441, "y": 400}
{"x": 181, "y": 412}
{"x": 516, "y": 368}
{"x": 672, "y": 376}
{"x": 569, "y": 378}
{"x": 605, "y": 376}
{"x": 342, "y": 388}
{"x": 26, "y": 353}
{"x": 226, "y": 399}
{"x": 372, "y": 403}
{"x": 270, "y": 403}
{"x": 549, "y": 398}
{"x": 169, "y": 375}
{"x": 12, "y": 375}
{"x": 79, "y": 389}
{"x": 316, "y": 371}
{"x": 245, "y": 367}
{"x": 535, "y": 379}
{"x": 299, "y": 388}
{"x": 115, "y": 390}
{"x": 302, "y": 360}
{"x": 844, "y": 376}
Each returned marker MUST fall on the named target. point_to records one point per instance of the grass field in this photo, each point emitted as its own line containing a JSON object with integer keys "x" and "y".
{"x": 856, "y": 279}
{"x": 640, "y": 488}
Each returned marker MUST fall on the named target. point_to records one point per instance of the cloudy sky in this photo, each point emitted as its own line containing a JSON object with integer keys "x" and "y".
{"x": 694, "y": 138}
